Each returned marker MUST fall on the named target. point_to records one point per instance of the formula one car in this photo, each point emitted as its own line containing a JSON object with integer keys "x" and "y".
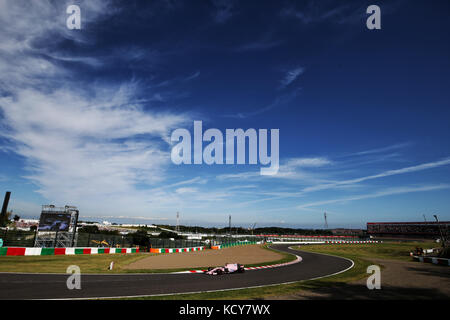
{"x": 226, "y": 269}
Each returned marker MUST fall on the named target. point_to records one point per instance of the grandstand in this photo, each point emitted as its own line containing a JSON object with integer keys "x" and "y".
{"x": 428, "y": 230}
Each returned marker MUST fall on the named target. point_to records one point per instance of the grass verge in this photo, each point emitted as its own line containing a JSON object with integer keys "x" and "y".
{"x": 58, "y": 264}
{"x": 97, "y": 263}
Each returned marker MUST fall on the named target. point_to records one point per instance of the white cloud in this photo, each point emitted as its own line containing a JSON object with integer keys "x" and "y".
{"x": 384, "y": 149}
{"x": 77, "y": 145}
{"x": 383, "y": 193}
{"x": 88, "y": 144}
{"x": 387, "y": 173}
{"x": 186, "y": 190}
{"x": 291, "y": 76}
{"x": 307, "y": 162}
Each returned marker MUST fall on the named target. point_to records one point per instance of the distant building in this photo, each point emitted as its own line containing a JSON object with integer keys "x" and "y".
{"x": 408, "y": 229}
{"x": 347, "y": 232}
{"x": 137, "y": 225}
{"x": 26, "y": 223}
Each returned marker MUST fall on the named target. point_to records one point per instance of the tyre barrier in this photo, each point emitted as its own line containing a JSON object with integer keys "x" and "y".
{"x": 433, "y": 260}
{"x": 234, "y": 244}
{"x": 20, "y": 251}
{"x": 174, "y": 250}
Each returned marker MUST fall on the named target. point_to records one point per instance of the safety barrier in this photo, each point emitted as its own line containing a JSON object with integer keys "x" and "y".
{"x": 174, "y": 250}
{"x": 233, "y": 244}
{"x": 433, "y": 260}
{"x": 21, "y": 251}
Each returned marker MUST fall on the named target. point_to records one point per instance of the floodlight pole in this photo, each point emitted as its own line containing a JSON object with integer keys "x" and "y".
{"x": 229, "y": 225}
{"x": 75, "y": 228}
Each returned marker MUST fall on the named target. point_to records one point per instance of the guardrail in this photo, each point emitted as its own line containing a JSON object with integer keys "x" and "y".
{"x": 433, "y": 260}
{"x": 233, "y": 244}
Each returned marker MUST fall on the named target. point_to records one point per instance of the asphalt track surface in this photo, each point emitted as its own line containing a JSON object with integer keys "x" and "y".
{"x": 53, "y": 286}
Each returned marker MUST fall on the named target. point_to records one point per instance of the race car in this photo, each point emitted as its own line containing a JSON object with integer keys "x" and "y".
{"x": 227, "y": 268}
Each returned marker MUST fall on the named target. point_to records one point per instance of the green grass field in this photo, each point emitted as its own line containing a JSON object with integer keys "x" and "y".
{"x": 58, "y": 264}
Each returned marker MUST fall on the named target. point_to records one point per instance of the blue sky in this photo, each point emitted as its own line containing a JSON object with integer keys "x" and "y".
{"x": 86, "y": 115}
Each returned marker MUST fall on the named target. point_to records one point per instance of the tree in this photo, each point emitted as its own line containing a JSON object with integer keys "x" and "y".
{"x": 16, "y": 218}
{"x": 167, "y": 234}
{"x": 140, "y": 237}
{"x": 88, "y": 229}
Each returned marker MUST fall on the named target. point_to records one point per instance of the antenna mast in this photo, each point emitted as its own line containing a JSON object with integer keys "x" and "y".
{"x": 326, "y": 222}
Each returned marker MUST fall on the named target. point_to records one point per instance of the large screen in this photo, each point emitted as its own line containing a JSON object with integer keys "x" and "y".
{"x": 54, "y": 222}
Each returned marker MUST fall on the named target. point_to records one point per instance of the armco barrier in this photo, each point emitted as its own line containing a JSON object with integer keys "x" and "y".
{"x": 20, "y": 251}
{"x": 227, "y": 245}
{"x": 174, "y": 250}
{"x": 433, "y": 260}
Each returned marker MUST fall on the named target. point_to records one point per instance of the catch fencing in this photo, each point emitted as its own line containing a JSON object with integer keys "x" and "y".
{"x": 19, "y": 238}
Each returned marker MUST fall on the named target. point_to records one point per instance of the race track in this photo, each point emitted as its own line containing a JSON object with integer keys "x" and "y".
{"x": 53, "y": 286}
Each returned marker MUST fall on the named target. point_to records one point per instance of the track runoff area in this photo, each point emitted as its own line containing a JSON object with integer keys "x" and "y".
{"x": 307, "y": 266}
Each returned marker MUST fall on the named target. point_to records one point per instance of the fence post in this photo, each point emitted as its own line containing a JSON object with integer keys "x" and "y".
{"x": 88, "y": 240}
{"x": 54, "y": 241}
{"x": 35, "y": 235}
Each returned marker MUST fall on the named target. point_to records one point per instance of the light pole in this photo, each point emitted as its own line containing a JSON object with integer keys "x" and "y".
{"x": 440, "y": 231}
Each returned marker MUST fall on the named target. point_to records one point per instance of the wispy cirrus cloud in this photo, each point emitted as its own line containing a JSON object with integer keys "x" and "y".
{"x": 410, "y": 169}
{"x": 185, "y": 190}
{"x": 291, "y": 76}
{"x": 315, "y": 12}
{"x": 294, "y": 170}
{"x": 383, "y": 149}
{"x": 88, "y": 143}
{"x": 382, "y": 193}
{"x": 308, "y": 162}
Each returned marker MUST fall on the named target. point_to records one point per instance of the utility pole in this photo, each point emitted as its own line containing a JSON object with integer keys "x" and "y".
{"x": 229, "y": 224}
{"x": 177, "y": 228}
{"x": 440, "y": 231}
